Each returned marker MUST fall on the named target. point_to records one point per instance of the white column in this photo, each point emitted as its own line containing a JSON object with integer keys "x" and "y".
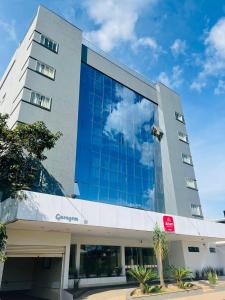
{"x": 66, "y": 267}
{"x": 122, "y": 250}
{"x": 66, "y": 262}
{"x": 1, "y": 272}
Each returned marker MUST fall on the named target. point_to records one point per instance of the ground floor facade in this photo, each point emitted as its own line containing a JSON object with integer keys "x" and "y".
{"x": 53, "y": 241}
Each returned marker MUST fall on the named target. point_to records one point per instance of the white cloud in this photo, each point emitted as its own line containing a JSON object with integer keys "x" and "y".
{"x": 116, "y": 21}
{"x": 148, "y": 42}
{"x": 178, "y": 47}
{"x": 175, "y": 80}
{"x": 220, "y": 89}
{"x": 128, "y": 118}
{"x": 216, "y": 39}
{"x": 147, "y": 154}
{"x": 149, "y": 196}
{"x": 10, "y": 29}
{"x": 198, "y": 85}
{"x": 214, "y": 63}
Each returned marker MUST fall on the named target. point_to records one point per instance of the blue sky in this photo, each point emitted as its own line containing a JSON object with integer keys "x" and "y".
{"x": 181, "y": 43}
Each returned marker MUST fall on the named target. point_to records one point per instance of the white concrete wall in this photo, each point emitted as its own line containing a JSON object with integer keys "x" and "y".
{"x": 220, "y": 249}
{"x": 15, "y": 76}
{"x": 62, "y": 210}
{"x": 199, "y": 260}
{"x": 175, "y": 254}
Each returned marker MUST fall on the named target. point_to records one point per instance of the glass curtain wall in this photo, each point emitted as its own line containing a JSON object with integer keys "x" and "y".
{"x": 135, "y": 256}
{"x": 72, "y": 263}
{"x": 118, "y": 160}
{"x": 100, "y": 261}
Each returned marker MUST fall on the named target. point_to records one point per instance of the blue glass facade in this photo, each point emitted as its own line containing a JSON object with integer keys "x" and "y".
{"x": 118, "y": 160}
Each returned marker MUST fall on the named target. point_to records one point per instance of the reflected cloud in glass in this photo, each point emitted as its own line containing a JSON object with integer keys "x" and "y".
{"x": 118, "y": 160}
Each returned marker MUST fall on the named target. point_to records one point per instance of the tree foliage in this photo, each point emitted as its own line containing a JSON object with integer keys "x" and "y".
{"x": 3, "y": 241}
{"x": 161, "y": 249}
{"x": 21, "y": 150}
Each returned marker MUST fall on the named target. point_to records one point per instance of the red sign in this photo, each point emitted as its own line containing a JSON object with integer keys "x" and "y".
{"x": 168, "y": 223}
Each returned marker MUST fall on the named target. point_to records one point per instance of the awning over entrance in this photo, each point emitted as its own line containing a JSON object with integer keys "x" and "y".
{"x": 56, "y": 213}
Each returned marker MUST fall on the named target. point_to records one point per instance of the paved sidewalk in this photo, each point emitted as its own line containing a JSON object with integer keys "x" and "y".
{"x": 113, "y": 294}
{"x": 206, "y": 296}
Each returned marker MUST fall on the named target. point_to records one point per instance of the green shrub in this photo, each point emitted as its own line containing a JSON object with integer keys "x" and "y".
{"x": 206, "y": 270}
{"x": 180, "y": 274}
{"x": 142, "y": 275}
{"x": 153, "y": 289}
{"x": 185, "y": 285}
{"x": 212, "y": 277}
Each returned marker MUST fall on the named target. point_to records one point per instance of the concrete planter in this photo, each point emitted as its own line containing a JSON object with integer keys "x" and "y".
{"x": 167, "y": 295}
{"x": 71, "y": 283}
{"x": 101, "y": 281}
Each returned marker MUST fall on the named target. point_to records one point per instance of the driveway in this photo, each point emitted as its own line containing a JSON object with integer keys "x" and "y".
{"x": 17, "y": 296}
{"x": 206, "y": 296}
{"x": 112, "y": 294}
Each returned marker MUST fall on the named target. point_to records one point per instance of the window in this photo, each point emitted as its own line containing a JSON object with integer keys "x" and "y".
{"x": 196, "y": 210}
{"x": 49, "y": 43}
{"x": 45, "y": 70}
{"x": 6, "y": 76}
{"x": 40, "y": 100}
{"x": 3, "y": 98}
{"x": 193, "y": 249}
{"x": 139, "y": 256}
{"x": 186, "y": 159}
{"x": 191, "y": 183}
{"x": 99, "y": 261}
{"x": 179, "y": 117}
{"x": 72, "y": 263}
{"x": 212, "y": 250}
{"x": 183, "y": 137}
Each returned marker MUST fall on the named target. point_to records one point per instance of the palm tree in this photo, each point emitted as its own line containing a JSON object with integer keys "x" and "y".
{"x": 142, "y": 275}
{"x": 179, "y": 274}
{"x": 160, "y": 248}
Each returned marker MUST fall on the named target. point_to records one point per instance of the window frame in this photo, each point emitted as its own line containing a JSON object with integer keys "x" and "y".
{"x": 184, "y": 135}
{"x": 196, "y": 206}
{"x": 185, "y": 162}
{"x": 177, "y": 115}
{"x": 212, "y": 250}
{"x": 46, "y": 65}
{"x": 40, "y": 106}
{"x": 193, "y": 180}
{"x": 193, "y": 249}
{"x": 42, "y": 35}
